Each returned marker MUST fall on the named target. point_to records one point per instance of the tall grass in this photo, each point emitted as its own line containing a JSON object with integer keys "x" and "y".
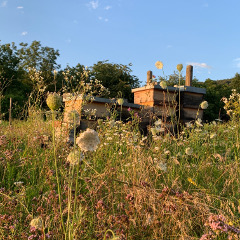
{"x": 132, "y": 187}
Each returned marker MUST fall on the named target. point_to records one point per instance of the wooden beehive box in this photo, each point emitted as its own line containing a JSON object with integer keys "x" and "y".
{"x": 190, "y": 100}
{"x": 162, "y": 101}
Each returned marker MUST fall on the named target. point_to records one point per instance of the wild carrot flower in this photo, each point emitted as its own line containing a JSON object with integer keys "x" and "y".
{"x": 189, "y": 151}
{"x": 37, "y": 223}
{"x": 120, "y": 101}
{"x": 199, "y": 122}
{"x": 75, "y": 157}
{"x": 163, "y": 84}
{"x": 54, "y": 101}
{"x": 159, "y": 65}
{"x": 88, "y": 140}
{"x": 179, "y": 67}
{"x": 73, "y": 115}
{"x": 204, "y": 105}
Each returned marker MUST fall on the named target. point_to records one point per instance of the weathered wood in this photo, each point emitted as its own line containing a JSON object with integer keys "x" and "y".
{"x": 189, "y": 74}
{"x": 149, "y": 77}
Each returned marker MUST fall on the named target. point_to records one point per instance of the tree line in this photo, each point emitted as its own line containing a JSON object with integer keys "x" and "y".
{"x": 29, "y": 69}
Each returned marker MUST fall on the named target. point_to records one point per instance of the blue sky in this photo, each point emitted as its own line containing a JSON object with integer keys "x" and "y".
{"x": 204, "y": 33}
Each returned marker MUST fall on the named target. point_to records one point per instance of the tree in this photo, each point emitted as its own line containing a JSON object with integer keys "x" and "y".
{"x": 41, "y": 58}
{"x": 116, "y": 77}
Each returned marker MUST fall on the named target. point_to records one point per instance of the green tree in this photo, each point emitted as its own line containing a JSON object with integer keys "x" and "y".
{"x": 43, "y": 59}
{"x": 116, "y": 77}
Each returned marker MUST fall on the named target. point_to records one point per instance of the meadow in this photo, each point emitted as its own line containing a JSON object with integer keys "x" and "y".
{"x": 125, "y": 185}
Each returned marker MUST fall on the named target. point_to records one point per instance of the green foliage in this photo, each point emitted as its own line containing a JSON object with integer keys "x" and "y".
{"x": 115, "y": 77}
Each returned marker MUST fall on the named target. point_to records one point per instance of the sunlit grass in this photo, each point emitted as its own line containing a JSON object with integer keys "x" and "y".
{"x": 132, "y": 186}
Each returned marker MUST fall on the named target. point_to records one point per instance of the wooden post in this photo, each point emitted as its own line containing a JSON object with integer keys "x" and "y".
{"x": 189, "y": 74}
{"x": 149, "y": 77}
{"x": 10, "y": 111}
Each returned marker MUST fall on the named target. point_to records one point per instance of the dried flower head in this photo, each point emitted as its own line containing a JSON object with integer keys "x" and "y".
{"x": 204, "y": 105}
{"x": 37, "y": 223}
{"x": 75, "y": 157}
{"x": 179, "y": 67}
{"x": 159, "y": 65}
{"x": 88, "y": 140}
{"x": 120, "y": 101}
{"x": 54, "y": 101}
{"x": 163, "y": 84}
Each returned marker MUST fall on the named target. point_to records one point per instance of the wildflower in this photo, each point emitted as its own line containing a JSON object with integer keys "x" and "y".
{"x": 73, "y": 116}
{"x": 158, "y": 122}
{"x": 120, "y": 101}
{"x": 37, "y": 223}
{"x": 75, "y": 157}
{"x": 192, "y": 182}
{"x": 54, "y": 101}
{"x": 167, "y": 152}
{"x": 179, "y": 67}
{"x": 162, "y": 166}
{"x": 18, "y": 183}
{"x": 189, "y": 151}
{"x": 213, "y": 135}
{"x": 88, "y": 140}
{"x": 159, "y": 65}
{"x": 163, "y": 84}
{"x": 188, "y": 124}
{"x": 204, "y": 105}
{"x": 154, "y": 131}
{"x": 199, "y": 122}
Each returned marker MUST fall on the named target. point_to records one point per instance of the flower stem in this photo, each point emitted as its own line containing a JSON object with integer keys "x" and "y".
{"x": 56, "y": 169}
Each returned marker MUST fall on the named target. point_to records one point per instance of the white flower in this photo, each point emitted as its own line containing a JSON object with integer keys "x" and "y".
{"x": 199, "y": 122}
{"x": 162, "y": 166}
{"x": 158, "y": 122}
{"x": 75, "y": 157}
{"x": 120, "y": 101}
{"x": 163, "y": 84}
{"x": 188, "y": 124}
{"x": 73, "y": 115}
{"x": 18, "y": 183}
{"x": 189, "y": 151}
{"x": 204, "y": 105}
{"x": 167, "y": 152}
{"x": 159, "y": 65}
{"x": 37, "y": 223}
{"x": 213, "y": 135}
{"x": 88, "y": 140}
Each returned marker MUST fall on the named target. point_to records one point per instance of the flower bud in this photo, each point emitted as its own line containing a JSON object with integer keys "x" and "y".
{"x": 54, "y": 101}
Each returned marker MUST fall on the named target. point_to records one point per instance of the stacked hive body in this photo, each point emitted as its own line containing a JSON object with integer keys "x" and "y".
{"x": 150, "y": 100}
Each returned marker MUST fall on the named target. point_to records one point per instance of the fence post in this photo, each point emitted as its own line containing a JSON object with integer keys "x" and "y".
{"x": 10, "y": 111}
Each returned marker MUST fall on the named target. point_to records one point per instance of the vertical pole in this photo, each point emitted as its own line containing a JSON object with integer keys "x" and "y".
{"x": 149, "y": 77}
{"x": 189, "y": 74}
{"x": 10, "y": 111}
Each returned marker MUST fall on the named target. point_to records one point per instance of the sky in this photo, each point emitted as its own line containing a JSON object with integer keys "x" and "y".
{"x": 203, "y": 33}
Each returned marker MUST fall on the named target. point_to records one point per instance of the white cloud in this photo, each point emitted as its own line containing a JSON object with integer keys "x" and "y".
{"x": 24, "y": 33}
{"x": 93, "y": 4}
{"x": 107, "y": 7}
{"x": 237, "y": 62}
{"x": 20, "y": 7}
{"x": 4, "y": 3}
{"x": 103, "y": 19}
{"x": 199, "y": 65}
